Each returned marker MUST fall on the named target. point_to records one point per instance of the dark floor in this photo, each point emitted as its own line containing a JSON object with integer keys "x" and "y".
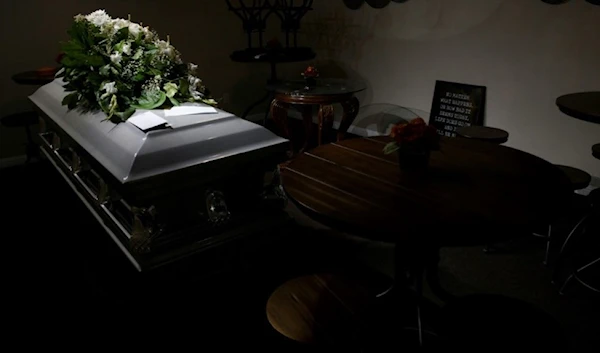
{"x": 68, "y": 286}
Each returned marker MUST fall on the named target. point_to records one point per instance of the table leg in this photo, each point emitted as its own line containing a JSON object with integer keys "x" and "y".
{"x": 279, "y": 113}
{"x": 433, "y": 280}
{"x": 307, "y": 120}
{"x": 325, "y": 117}
{"x": 350, "y": 112}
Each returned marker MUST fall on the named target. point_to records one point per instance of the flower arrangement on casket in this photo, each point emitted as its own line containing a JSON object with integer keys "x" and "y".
{"x": 117, "y": 66}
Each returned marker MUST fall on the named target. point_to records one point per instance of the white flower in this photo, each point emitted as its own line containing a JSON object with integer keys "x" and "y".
{"x": 148, "y": 34}
{"x": 171, "y": 89}
{"x": 196, "y": 95}
{"x": 192, "y": 67}
{"x": 109, "y": 88}
{"x": 164, "y": 48}
{"x": 195, "y": 83}
{"x": 79, "y": 18}
{"x": 134, "y": 29}
{"x": 126, "y": 49}
{"x": 98, "y": 18}
{"x": 116, "y": 57}
{"x": 119, "y": 23}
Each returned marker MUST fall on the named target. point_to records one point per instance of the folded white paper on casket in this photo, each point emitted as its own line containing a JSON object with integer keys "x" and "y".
{"x": 146, "y": 119}
{"x": 189, "y": 110}
{"x": 185, "y": 114}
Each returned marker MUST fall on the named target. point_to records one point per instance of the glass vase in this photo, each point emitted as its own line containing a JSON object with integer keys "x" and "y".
{"x": 410, "y": 159}
{"x": 310, "y": 82}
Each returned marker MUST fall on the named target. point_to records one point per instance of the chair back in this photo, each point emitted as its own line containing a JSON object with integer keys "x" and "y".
{"x": 378, "y": 119}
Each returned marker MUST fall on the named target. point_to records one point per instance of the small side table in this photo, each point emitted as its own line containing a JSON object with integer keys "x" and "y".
{"x": 272, "y": 56}
{"x": 35, "y": 78}
{"x": 583, "y": 106}
{"x": 326, "y": 93}
{"x": 483, "y": 133}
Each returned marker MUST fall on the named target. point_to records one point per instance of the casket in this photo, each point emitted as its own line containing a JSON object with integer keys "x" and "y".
{"x": 163, "y": 194}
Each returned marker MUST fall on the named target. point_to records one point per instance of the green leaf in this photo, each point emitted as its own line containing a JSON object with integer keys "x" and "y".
{"x": 151, "y": 100}
{"x": 72, "y": 47}
{"x": 138, "y": 54}
{"x": 122, "y": 34}
{"x": 174, "y": 101}
{"x": 105, "y": 70}
{"x": 125, "y": 114}
{"x": 391, "y": 148}
{"x": 184, "y": 87}
{"x": 71, "y": 100}
{"x": 95, "y": 60}
{"x": 139, "y": 77}
{"x": 153, "y": 71}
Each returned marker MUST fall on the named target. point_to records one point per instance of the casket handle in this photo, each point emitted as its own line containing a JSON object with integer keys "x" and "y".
{"x": 216, "y": 208}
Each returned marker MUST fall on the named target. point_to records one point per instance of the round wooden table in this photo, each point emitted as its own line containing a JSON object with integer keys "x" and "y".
{"x": 326, "y": 93}
{"x": 582, "y": 105}
{"x": 473, "y": 193}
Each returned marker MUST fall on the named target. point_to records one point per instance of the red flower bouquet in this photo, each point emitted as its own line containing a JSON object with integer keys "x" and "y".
{"x": 310, "y": 76}
{"x": 413, "y": 141}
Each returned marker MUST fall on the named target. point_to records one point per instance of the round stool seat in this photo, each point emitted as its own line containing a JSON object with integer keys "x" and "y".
{"x": 596, "y": 150}
{"x": 20, "y": 119}
{"x": 579, "y": 179}
{"x": 483, "y": 133}
{"x": 319, "y": 309}
{"x": 482, "y": 322}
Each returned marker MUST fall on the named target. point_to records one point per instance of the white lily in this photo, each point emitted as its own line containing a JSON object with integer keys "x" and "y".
{"x": 98, "y": 18}
{"x": 120, "y": 23}
{"x": 116, "y": 57}
{"x": 108, "y": 88}
{"x": 126, "y": 49}
{"x": 164, "y": 48}
{"x": 134, "y": 29}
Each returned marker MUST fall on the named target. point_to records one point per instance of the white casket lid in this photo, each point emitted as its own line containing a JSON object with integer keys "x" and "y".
{"x": 131, "y": 154}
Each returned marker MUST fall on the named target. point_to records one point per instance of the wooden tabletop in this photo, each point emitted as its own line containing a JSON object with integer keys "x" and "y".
{"x": 474, "y": 192}
{"x": 36, "y": 77}
{"x": 484, "y": 133}
{"x": 582, "y": 105}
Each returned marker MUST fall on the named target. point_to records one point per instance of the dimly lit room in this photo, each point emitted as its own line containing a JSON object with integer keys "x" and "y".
{"x": 301, "y": 175}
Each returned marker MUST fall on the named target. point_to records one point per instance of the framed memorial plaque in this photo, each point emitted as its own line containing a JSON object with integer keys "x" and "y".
{"x": 455, "y": 105}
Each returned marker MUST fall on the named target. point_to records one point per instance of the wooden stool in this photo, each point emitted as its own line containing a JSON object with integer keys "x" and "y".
{"x": 324, "y": 309}
{"x": 483, "y": 133}
{"x": 578, "y": 178}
